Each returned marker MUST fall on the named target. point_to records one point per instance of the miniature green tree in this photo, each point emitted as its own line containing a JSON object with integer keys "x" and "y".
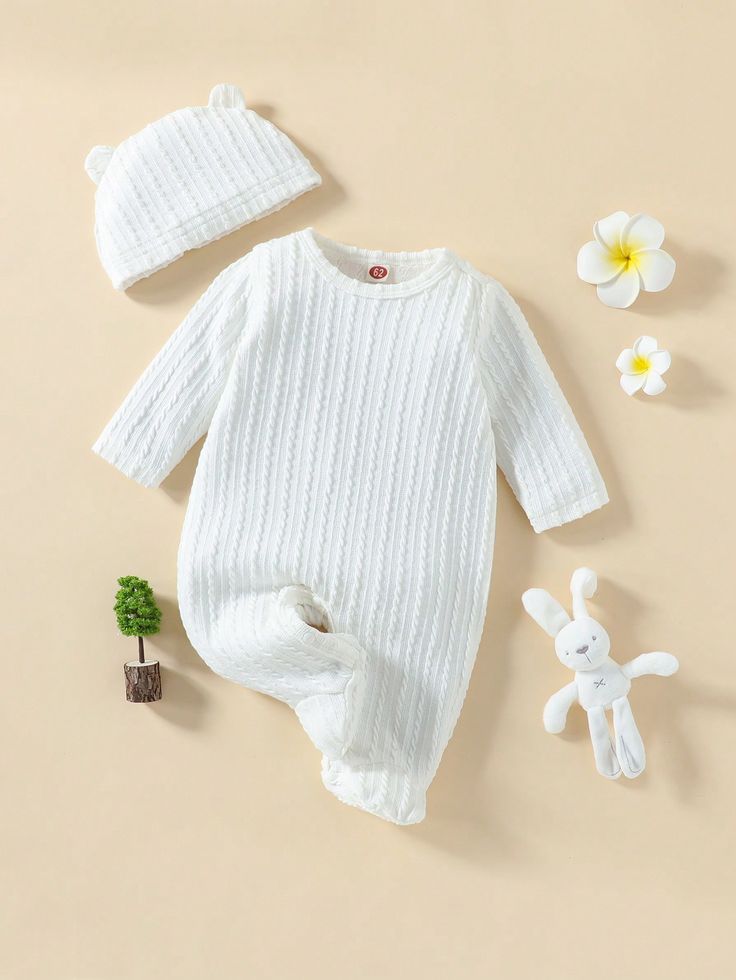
{"x": 136, "y": 610}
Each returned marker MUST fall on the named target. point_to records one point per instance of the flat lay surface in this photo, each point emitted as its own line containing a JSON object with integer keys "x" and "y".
{"x": 192, "y": 836}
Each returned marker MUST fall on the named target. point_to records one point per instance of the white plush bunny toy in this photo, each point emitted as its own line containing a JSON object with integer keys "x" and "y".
{"x": 600, "y": 683}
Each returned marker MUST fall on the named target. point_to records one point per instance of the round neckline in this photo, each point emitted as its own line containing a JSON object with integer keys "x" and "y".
{"x": 442, "y": 260}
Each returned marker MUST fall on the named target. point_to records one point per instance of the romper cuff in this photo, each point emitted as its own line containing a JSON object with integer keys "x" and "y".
{"x": 564, "y": 513}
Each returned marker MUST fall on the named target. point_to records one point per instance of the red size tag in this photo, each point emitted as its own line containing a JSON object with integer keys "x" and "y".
{"x": 378, "y": 272}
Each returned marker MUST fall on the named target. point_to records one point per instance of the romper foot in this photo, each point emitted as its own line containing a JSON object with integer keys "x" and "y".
{"x": 328, "y": 715}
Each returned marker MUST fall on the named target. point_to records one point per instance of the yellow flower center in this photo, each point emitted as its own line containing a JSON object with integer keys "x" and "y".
{"x": 627, "y": 257}
{"x": 640, "y": 365}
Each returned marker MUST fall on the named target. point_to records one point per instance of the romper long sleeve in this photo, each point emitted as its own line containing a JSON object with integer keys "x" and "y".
{"x": 174, "y": 401}
{"x": 337, "y": 547}
{"x": 539, "y": 446}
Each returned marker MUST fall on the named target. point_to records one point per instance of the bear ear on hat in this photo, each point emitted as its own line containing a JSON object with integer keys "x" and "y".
{"x": 97, "y": 160}
{"x": 227, "y": 97}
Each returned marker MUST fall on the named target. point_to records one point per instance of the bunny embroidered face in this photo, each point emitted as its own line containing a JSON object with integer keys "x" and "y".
{"x": 583, "y": 644}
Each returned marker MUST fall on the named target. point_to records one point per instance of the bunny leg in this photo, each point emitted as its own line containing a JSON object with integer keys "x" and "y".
{"x": 603, "y": 751}
{"x": 629, "y": 746}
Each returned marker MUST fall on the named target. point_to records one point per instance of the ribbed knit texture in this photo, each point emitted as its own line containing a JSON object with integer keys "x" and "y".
{"x": 336, "y": 552}
{"x": 187, "y": 179}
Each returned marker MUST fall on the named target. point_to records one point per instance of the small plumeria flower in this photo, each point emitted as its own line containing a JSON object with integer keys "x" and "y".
{"x": 626, "y": 257}
{"x": 642, "y": 367}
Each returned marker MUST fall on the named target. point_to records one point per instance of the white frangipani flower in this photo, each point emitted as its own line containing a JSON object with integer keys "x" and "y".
{"x": 626, "y": 257}
{"x": 642, "y": 367}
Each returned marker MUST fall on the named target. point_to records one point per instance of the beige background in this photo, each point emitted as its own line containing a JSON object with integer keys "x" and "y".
{"x": 193, "y": 838}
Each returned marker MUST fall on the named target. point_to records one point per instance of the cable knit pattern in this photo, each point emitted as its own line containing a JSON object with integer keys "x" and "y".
{"x": 336, "y": 551}
{"x": 187, "y": 179}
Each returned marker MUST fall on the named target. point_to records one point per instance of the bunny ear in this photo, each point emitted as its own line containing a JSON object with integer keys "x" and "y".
{"x": 97, "y": 160}
{"x": 583, "y": 584}
{"x": 227, "y": 97}
{"x": 545, "y": 611}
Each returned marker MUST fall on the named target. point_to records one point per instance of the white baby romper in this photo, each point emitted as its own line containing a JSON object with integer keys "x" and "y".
{"x": 336, "y": 551}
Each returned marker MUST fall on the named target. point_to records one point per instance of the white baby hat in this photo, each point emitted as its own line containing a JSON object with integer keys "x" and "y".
{"x": 187, "y": 179}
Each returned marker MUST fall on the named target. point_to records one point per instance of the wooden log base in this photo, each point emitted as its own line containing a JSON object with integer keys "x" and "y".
{"x": 142, "y": 681}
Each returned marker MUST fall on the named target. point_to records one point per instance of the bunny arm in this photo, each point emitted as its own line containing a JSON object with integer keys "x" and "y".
{"x": 556, "y": 709}
{"x": 663, "y": 664}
